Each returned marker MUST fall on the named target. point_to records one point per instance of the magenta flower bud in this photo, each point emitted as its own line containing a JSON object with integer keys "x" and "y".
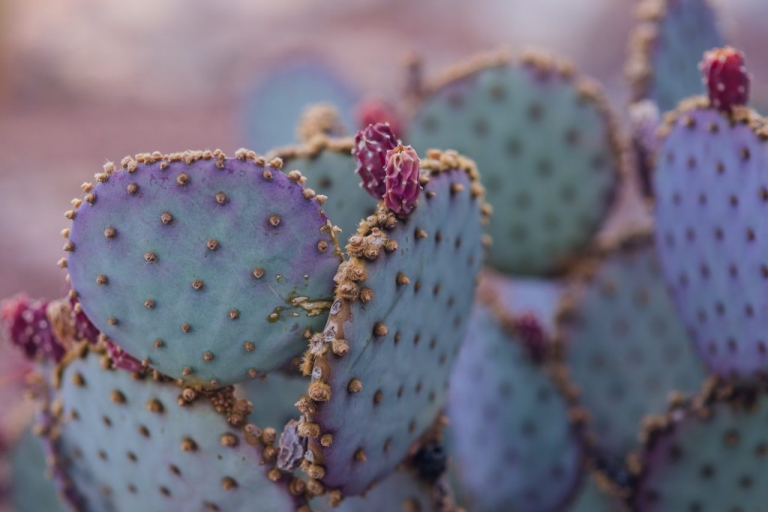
{"x": 531, "y": 333}
{"x": 371, "y": 146}
{"x": 402, "y": 179}
{"x": 372, "y": 111}
{"x": 26, "y": 325}
{"x": 121, "y": 358}
{"x": 726, "y": 77}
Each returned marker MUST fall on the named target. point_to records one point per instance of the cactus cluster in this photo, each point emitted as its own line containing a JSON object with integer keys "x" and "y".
{"x": 342, "y": 324}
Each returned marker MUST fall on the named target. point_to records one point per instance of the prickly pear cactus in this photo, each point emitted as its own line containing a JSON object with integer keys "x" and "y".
{"x": 125, "y": 442}
{"x": 624, "y": 348}
{"x": 380, "y": 369}
{"x": 277, "y": 103}
{"x": 207, "y": 267}
{"x": 512, "y": 443}
{"x": 711, "y": 196}
{"x": 546, "y": 143}
{"x": 709, "y": 455}
{"x": 329, "y": 167}
{"x": 666, "y": 46}
{"x": 31, "y": 490}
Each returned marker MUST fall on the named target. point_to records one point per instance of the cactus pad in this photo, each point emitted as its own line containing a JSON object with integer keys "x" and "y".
{"x": 273, "y": 396}
{"x": 710, "y": 455}
{"x": 31, "y": 490}
{"x": 623, "y": 345}
{"x": 380, "y": 370}
{"x": 513, "y": 446}
{"x": 278, "y": 102}
{"x": 712, "y": 194}
{"x": 546, "y": 145}
{"x": 592, "y": 498}
{"x": 666, "y": 47}
{"x": 209, "y": 267}
{"x": 124, "y": 443}
{"x": 517, "y": 296}
{"x": 329, "y": 167}
{"x": 399, "y": 491}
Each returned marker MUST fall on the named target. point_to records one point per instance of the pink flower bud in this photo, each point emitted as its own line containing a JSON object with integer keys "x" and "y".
{"x": 726, "y": 77}
{"x": 26, "y": 325}
{"x": 374, "y": 111}
{"x": 402, "y": 179}
{"x": 371, "y": 146}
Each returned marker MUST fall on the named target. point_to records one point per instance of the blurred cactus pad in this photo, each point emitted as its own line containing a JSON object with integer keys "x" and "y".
{"x": 279, "y": 99}
{"x": 539, "y": 132}
{"x": 465, "y": 306}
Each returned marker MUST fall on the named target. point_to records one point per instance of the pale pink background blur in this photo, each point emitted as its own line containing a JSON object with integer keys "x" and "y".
{"x": 86, "y": 81}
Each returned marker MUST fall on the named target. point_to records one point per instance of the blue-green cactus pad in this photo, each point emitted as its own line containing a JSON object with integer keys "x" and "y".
{"x": 229, "y": 260}
{"x": 625, "y": 348}
{"x": 273, "y": 397}
{"x": 712, "y": 200}
{"x": 276, "y": 104}
{"x": 512, "y": 444}
{"x": 667, "y": 47}
{"x": 593, "y": 499}
{"x": 136, "y": 454}
{"x": 403, "y": 341}
{"x": 329, "y": 168}
{"x": 399, "y": 491}
{"x": 31, "y": 489}
{"x": 715, "y": 458}
{"x": 545, "y": 144}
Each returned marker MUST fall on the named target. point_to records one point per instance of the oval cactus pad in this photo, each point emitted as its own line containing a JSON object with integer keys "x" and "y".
{"x": 623, "y": 345}
{"x": 710, "y": 455}
{"x": 122, "y": 443}
{"x": 546, "y": 145}
{"x": 210, "y": 268}
{"x": 712, "y": 199}
{"x": 512, "y": 442}
{"x": 380, "y": 370}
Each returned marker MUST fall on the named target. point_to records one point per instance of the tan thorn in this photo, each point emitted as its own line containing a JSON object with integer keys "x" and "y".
{"x": 355, "y": 386}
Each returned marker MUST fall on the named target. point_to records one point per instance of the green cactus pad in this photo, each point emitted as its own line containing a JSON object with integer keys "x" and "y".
{"x": 402, "y": 307}
{"x": 211, "y": 268}
{"x": 666, "y": 48}
{"x": 31, "y": 490}
{"x": 710, "y": 455}
{"x": 123, "y": 443}
{"x": 512, "y": 443}
{"x": 622, "y": 343}
{"x": 592, "y": 498}
{"x": 711, "y": 202}
{"x": 546, "y": 145}
{"x": 329, "y": 166}
{"x": 273, "y": 397}
{"x": 399, "y": 491}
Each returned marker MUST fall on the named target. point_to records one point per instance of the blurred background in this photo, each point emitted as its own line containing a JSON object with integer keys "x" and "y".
{"x": 87, "y": 81}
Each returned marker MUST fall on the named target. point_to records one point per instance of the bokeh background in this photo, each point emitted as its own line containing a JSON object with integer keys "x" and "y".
{"x": 87, "y": 81}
